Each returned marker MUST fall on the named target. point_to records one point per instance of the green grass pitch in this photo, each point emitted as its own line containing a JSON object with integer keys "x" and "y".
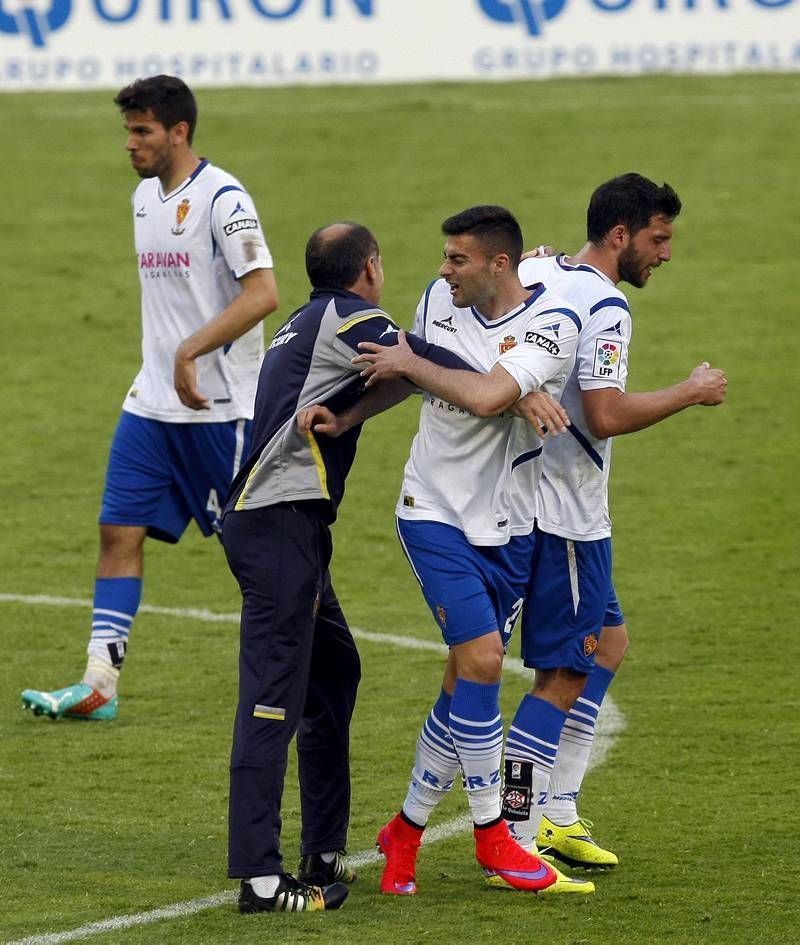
{"x": 699, "y": 793}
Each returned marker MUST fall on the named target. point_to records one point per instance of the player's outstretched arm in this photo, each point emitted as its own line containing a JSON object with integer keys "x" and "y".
{"x": 610, "y": 412}
{"x": 257, "y": 299}
{"x": 318, "y": 418}
{"x": 481, "y": 394}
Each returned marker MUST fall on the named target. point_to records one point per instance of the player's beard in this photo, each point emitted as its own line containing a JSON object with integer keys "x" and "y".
{"x": 631, "y": 267}
{"x": 158, "y": 167}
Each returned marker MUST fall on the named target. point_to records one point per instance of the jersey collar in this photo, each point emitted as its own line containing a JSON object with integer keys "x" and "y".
{"x": 536, "y": 290}
{"x": 193, "y": 176}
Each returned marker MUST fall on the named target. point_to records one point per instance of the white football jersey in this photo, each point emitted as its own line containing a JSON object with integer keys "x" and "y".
{"x": 191, "y": 246}
{"x": 461, "y": 466}
{"x": 572, "y": 498}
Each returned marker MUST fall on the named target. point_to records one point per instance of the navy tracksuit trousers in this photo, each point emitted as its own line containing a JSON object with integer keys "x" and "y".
{"x": 298, "y": 672}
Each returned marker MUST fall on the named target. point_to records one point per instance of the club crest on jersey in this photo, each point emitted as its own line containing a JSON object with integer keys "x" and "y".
{"x": 507, "y": 344}
{"x": 181, "y": 212}
{"x": 607, "y": 358}
{"x": 589, "y": 644}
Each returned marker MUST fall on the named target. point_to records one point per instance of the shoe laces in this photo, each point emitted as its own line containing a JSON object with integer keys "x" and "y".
{"x": 295, "y": 894}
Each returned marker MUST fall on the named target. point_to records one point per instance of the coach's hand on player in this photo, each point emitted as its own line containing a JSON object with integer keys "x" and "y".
{"x": 319, "y": 419}
{"x": 185, "y": 378}
{"x": 710, "y": 384}
{"x": 544, "y": 413}
{"x": 383, "y": 362}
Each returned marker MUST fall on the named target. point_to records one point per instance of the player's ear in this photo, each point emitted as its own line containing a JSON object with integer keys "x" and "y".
{"x": 619, "y": 236}
{"x": 179, "y": 132}
{"x": 501, "y": 263}
{"x": 373, "y": 268}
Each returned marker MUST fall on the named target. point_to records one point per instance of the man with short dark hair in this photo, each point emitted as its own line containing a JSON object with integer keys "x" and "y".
{"x": 573, "y": 631}
{"x": 467, "y": 545}
{"x": 206, "y": 279}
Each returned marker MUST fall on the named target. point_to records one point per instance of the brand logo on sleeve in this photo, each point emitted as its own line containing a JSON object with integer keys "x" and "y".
{"x": 248, "y": 223}
{"x": 534, "y": 338}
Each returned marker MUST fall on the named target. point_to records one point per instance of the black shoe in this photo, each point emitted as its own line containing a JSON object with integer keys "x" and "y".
{"x": 316, "y": 872}
{"x": 292, "y": 896}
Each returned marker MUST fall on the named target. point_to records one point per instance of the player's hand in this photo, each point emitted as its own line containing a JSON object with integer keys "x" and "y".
{"x": 544, "y": 413}
{"x": 710, "y": 384}
{"x": 382, "y": 363}
{"x": 186, "y": 382}
{"x": 540, "y": 251}
{"x": 320, "y": 419}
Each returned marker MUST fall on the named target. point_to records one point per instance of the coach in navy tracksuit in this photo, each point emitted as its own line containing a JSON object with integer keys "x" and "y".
{"x": 298, "y": 665}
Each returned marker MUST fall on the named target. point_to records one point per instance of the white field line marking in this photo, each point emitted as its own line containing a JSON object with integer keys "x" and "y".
{"x": 610, "y": 723}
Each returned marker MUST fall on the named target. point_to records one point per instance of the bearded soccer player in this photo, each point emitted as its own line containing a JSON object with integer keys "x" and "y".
{"x": 206, "y": 279}
{"x": 573, "y": 631}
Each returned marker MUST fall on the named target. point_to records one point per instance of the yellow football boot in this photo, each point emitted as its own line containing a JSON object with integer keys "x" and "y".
{"x": 574, "y": 845}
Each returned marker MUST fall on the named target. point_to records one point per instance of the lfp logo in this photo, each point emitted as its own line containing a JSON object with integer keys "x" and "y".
{"x": 531, "y": 13}
{"x": 34, "y": 23}
{"x": 607, "y": 358}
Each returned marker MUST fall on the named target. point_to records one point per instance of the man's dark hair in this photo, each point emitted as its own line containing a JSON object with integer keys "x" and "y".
{"x": 495, "y": 227}
{"x": 335, "y": 260}
{"x": 169, "y": 99}
{"x": 632, "y": 200}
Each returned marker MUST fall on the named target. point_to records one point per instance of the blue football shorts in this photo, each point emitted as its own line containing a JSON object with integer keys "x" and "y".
{"x": 570, "y": 599}
{"x": 163, "y": 475}
{"x": 471, "y": 589}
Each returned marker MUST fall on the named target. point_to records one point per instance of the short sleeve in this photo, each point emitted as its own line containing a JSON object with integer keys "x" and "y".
{"x": 602, "y": 357}
{"x": 546, "y": 349}
{"x": 237, "y": 231}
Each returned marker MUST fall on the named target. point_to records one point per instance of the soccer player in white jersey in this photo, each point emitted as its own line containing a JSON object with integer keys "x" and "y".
{"x": 573, "y": 631}
{"x": 206, "y": 284}
{"x": 469, "y": 551}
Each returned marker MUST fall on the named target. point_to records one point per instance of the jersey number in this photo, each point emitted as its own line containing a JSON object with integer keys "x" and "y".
{"x": 512, "y": 619}
{"x": 213, "y": 503}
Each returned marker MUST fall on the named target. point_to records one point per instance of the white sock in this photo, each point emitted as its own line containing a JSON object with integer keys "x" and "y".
{"x": 476, "y": 728}
{"x": 101, "y": 675}
{"x": 531, "y": 747}
{"x": 265, "y": 886}
{"x": 575, "y": 748}
{"x": 435, "y": 764}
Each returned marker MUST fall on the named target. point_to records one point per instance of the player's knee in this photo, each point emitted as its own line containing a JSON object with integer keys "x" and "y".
{"x": 560, "y": 686}
{"x": 480, "y": 660}
{"x": 612, "y": 647}
{"x": 121, "y": 548}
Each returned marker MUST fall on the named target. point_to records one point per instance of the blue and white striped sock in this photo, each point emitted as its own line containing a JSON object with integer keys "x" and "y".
{"x": 531, "y": 746}
{"x": 575, "y": 747}
{"x": 435, "y": 765}
{"x": 476, "y": 728}
{"x": 116, "y": 601}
